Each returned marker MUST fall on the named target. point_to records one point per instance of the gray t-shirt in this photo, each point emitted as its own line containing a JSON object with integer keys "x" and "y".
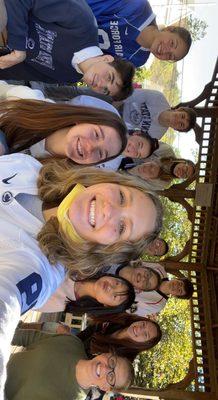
{"x": 141, "y": 111}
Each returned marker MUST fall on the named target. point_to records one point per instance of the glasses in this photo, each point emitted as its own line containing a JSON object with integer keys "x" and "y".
{"x": 111, "y": 364}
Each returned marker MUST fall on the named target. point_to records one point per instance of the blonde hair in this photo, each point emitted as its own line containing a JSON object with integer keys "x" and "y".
{"x": 56, "y": 179}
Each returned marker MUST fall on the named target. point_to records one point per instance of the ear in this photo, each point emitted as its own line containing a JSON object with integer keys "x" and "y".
{"x": 108, "y": 58}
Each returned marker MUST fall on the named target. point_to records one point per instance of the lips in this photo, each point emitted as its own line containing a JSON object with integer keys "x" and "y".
{"x": 79, "y": 148}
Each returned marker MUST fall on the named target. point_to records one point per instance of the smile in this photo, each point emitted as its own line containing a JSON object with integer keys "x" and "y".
{"x": 98, "y": 369}
{"x": 79, "y": 148}
{"x": 92, "y": 212}
{"x": 159, "y": 49}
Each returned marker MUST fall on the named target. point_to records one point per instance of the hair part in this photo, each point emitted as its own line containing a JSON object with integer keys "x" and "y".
{"x": 126, "y": 71}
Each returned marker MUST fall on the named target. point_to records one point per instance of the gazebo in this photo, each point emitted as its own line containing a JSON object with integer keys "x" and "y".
{"x": 201, "y": 258}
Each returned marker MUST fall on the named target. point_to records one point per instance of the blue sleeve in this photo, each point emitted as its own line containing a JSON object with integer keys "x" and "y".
{"x": 61, "y": 12}
{"x": 17, "y": 26}
{"x": 136, "y": 12}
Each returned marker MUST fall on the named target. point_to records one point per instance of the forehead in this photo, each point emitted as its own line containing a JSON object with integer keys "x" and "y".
{"x": 143, "y": 214}
{"x": 117, "y": 81}
{"x": 121, "y": 372}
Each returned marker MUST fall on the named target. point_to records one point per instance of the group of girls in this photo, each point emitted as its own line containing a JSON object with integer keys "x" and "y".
{"x": 62, "y": 221}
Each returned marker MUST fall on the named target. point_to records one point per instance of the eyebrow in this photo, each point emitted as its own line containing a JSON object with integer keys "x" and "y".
{"x": 102, "y": 132}
{"x": 112, "y": 77}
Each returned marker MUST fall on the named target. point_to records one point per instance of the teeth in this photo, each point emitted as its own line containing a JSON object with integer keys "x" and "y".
{"x": 159, "y": 49}
{"x": 92, "y": 213}
{"x": 98, "y": 370}
{"x": 79, "y": 148}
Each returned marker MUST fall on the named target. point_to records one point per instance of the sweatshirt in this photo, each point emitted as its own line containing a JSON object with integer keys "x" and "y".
{"x": 51, "y": 32}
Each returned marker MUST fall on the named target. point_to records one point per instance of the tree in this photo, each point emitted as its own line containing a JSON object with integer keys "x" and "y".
{"x": 197, "y": 27}
{"x": 168, "y": 362}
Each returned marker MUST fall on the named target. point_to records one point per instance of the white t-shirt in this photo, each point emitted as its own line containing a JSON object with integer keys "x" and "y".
{"x": 142, "y": 109}
{"x": 57, "y": 302}
{"x": 151, "y": 302}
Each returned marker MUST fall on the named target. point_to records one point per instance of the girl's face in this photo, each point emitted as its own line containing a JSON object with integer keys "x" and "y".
{"x": 148, "y": 170}
{"x": 107, "y": 213}
{"x": 183, "y": 170}
{"x": 168, "y": 46}
{"x": 89, "y": 144}
{"x": 142, "y": 331}
{"x": 111, "y": 291}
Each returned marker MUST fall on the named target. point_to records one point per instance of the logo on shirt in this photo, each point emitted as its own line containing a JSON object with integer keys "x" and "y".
{"x": 7, "y": 197}
{"x": 141, "y": 117}
{"x": 6, "y": 180}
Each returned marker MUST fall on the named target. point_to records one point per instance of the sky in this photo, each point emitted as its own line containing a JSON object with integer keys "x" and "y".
{"x": 199, "y": 64}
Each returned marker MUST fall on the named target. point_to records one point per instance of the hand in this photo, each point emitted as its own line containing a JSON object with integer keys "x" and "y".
{"x": 15, "y": 57}
{"x": 63, "y": 330}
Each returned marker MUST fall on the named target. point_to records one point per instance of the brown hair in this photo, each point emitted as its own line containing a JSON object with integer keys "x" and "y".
{"x": 168, "y": 164}
{"x": 100, "y": 340}
{"x": 56, "y": 180}
{"x": 126, "y": 70}
{"x": 26, "y": 122}
{"x": 188, "y": 288}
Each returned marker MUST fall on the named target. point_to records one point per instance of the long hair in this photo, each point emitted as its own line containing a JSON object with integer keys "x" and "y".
{"x": 98, "y": 339}
{"x": 26, "y": 122}
{"x": 90, "y": 305}
{"x": 56, "y": 180}
{"x": 167, "y": 166}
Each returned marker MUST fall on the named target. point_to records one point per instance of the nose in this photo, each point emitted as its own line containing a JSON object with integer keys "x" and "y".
{"x": 131, "y": 149}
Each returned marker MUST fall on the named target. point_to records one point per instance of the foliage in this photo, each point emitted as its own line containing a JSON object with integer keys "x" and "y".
{"x": 196, "y": 27}
{"x": 164, "y": 75}
{"x": 168, "y": 362}
{"x": 142, "y": 74}
{"x": 176, "y": 227}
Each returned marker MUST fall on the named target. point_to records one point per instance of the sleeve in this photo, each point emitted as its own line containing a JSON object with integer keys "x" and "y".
{"x": 159, "y": 268}
{"x": 164, "y": 151}
{"x": 17, "y": 26}
{"x": 26, "y": 337}
{"x": 9, "y": 92}
{"x": 9, "y": 318}
{"x": 137, "y": 13}
{"x": 63, "y": 13}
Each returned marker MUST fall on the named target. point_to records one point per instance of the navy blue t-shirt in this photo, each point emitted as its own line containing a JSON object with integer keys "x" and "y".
{"x": 50, "y": 31}
{"x": 120, "y": 22}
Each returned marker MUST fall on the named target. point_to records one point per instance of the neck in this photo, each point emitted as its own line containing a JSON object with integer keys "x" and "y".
{"x": 81, "y": 377}
{"x": 147, "y": 36}
{"x": 164, "y": 287}
{"x": 56, "y": 143}
{"x": 164, "y": 118}
{"x": 85, "y": 288}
